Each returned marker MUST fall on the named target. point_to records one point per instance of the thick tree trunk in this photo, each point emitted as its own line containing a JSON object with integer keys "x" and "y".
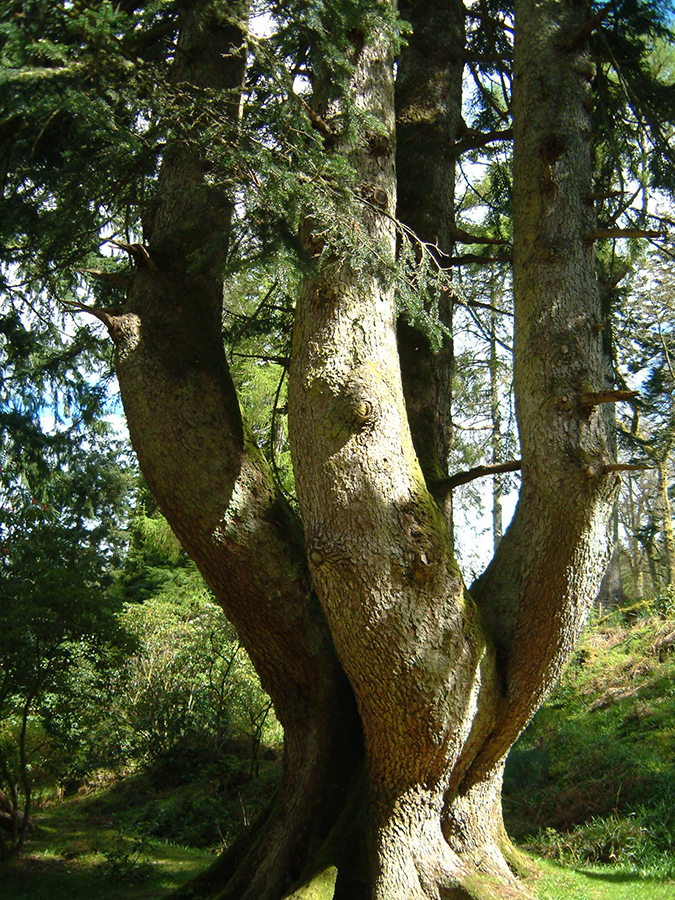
{"x": 217, "y": 492}
{"x": 398, "y": 710}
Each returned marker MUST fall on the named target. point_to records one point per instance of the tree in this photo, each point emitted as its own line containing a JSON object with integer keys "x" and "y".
{"x": 400, "y": 692}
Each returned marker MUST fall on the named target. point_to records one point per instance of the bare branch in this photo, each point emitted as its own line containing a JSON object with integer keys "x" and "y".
{"x": 587, "y": 29}
{"x": 596, "y": 398}
{"x": 102, "y": 315}
{"x": 137, "y": 252}
{"x": 448, "y": 484}
{"x": 627, "y": 467}
{"x": 473, "y": 139}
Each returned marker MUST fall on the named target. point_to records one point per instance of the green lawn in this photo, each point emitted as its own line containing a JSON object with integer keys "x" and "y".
{"x": 606, "y": 883}
{"x": 81, "y": 851}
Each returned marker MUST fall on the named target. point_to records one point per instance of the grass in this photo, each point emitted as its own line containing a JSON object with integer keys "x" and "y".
{"x": 591, "y": 783}
{"x": 563, "y": 883}
{"x": 136, "y": 838}
{"x": 69, "y": 858}
{"x": 589, "y": 792}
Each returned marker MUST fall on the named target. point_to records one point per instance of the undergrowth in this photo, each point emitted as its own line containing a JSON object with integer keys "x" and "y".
{"x": 592, "y": 779}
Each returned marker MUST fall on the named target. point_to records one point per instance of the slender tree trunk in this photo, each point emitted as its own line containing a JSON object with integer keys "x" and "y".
{"x": 496, "y": 421}
{"x": 667, "y": 514}
{"x": 428, "y": 103}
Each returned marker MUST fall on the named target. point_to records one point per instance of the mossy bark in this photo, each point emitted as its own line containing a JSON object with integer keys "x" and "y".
{"x": 399, "y": 692}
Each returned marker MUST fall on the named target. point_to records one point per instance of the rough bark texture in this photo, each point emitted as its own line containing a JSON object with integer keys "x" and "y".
{"x": 216, "y": 490}
{"x": 399, "y": 696}
{"x": 548, "y": 567}
{"x": 428, "y": 99}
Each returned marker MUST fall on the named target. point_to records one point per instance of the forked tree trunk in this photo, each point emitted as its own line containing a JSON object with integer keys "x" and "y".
{"x": 399, "y": 693}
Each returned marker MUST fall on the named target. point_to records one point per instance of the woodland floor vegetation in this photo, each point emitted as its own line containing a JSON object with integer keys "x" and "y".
{"x": 589, "y": 790}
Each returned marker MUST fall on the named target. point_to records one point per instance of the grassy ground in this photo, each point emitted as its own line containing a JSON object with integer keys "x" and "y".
{"x": 592, "y": 780}
{"x": 73, "y": 858}
{"x": 562, "y": 883}
{"x": 589, "y": 792}
{"x": 76, "y": 854}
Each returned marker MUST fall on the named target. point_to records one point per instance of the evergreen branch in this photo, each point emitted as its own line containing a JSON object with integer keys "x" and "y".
{"x": 248, "y": 320}
{"x": 273, "y": 423}
{"x": 445, "y": 485}
{"x": 107, "y": 276}
{"x": 487, "y": 96}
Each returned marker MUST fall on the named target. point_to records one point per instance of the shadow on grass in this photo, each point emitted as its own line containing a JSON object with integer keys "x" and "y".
{"x": 619, "y": 877}
{"x": 44, "y": 875}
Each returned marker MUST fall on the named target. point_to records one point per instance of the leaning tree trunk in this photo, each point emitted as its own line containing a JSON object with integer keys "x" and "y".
{"x": 399, "y": 693}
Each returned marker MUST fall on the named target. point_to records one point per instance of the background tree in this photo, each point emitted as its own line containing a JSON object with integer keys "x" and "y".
{"x": 63, "y": 487}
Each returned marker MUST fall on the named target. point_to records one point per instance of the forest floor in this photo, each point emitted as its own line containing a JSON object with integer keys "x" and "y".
{"x": 589, "y": 793}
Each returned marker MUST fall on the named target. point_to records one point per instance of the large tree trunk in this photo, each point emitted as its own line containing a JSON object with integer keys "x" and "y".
{"x": 399, "y": 693}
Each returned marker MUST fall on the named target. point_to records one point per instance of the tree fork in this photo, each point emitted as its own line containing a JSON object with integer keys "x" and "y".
{"x": 216, "y": 491}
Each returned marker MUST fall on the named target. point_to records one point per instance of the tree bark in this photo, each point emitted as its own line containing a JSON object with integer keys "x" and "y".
{"x": 428, "y": 100}
{"x": 217, "y": 492}
{"x": 536, "y": 593}
{"x": 666, "y": 512}
{"x": 399, "y": 695}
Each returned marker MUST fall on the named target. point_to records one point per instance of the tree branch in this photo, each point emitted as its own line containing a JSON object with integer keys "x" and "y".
{"x": 587, "y": 29}
{"x": 475, "y": 258}
{"x": 448, "y": 484}
{"x": 627, "y": 467}
{"x": 137, "y": 252}
{"x": 596, "y": 398}
{"x": 473, "y": 139}
{"x": 107, "y": 276}
{"x": 465, "y": 237}
{"x": 610, "y": 233}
